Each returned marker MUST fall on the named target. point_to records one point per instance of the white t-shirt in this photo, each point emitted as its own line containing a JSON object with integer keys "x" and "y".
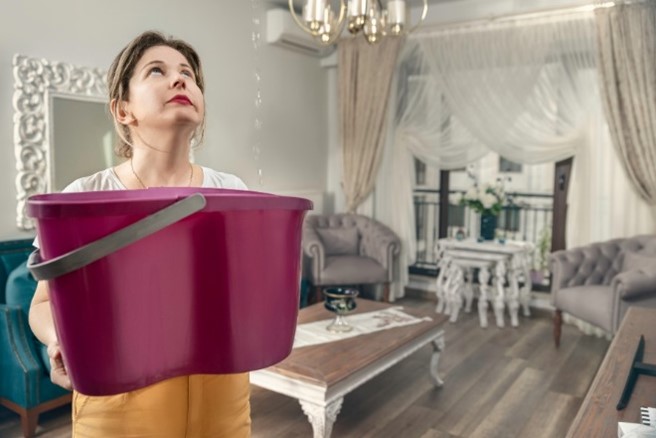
{"x": 107, "y": 180}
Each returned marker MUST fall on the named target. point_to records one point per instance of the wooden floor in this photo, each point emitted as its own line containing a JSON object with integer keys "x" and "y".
{"x": 498, "y": 383}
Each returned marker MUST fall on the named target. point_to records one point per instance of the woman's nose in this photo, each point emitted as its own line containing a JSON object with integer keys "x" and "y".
{"x": 179, "y": 81}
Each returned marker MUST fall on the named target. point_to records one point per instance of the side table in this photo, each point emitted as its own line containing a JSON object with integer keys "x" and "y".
{"x": 502, "y": 261}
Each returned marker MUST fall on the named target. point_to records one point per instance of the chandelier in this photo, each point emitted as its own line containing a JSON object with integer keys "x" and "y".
{"x": 367, "y": 16}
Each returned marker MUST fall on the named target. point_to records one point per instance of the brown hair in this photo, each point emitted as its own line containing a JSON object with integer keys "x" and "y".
{"x": 122, "y": 68}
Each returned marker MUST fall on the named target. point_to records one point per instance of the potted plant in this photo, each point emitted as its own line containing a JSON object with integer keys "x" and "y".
{"x": 543, "y": 248}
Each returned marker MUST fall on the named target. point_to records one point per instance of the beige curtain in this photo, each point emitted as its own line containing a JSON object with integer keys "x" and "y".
{"x": 365, "y": 76}
{"x": 627, "y": 63}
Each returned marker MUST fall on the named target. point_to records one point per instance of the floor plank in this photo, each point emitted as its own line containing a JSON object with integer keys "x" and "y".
{"x": 499, "y": 382}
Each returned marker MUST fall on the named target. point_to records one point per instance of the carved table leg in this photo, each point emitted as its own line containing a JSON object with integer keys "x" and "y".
{"x": 483, "y": 278}
{"x": 441, "y": 285}
{"x": 322, "y": 418}
{"x": 438, "y": 347}
{"x": 500, "y": 297}
{"x": 454, "y": 291}
{"x": 525, "y": 293}
{"x": 513, "y": 299}
{"x": 468, "y": 289}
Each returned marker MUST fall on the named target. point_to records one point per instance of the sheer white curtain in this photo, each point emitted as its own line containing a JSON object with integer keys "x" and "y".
{"x": 603, "y": 203}
{"x": 511, "y": 86}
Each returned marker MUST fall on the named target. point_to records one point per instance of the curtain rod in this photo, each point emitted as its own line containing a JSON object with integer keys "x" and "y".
{"x": 426, "y": 29}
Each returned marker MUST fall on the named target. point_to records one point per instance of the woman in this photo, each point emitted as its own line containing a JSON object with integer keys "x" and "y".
{"x": 157, "y": 103}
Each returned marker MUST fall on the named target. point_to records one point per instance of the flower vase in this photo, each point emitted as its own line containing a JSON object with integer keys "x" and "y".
{"x": 488, "y": 226}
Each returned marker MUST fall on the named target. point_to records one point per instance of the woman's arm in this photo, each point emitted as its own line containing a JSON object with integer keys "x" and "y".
{"x": 43, "y": 327}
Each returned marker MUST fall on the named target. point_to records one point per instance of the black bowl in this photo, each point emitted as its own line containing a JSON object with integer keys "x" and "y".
{"x": 340, "y": 299}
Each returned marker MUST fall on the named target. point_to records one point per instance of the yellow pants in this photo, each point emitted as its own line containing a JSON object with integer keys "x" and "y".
{"x": 183, "y": 407}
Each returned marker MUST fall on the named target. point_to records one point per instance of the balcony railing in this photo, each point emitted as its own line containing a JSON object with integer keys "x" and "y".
{"x": 528, "y": 218}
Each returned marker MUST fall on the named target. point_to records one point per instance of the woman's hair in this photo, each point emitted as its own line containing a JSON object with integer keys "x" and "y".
{"x": 122, "y": 68}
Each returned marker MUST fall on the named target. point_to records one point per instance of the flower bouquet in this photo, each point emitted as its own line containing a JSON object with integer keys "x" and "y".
{"x": 487, "y": 200}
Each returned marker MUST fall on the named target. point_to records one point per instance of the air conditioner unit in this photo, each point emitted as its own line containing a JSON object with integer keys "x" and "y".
{"x": 282, "y": 31}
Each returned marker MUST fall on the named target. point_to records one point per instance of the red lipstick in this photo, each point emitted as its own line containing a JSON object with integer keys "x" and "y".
{"x": 181, "y": 99}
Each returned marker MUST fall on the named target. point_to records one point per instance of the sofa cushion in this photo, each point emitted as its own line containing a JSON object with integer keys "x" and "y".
{"x": 339, "y": 241}
{"x": 591, "y": 303}
{"x": 638, "y": 260}
{"x": 352, "y": 270}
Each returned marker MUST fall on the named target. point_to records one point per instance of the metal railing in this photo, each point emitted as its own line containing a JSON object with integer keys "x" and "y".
{"x": 528, "y": 218}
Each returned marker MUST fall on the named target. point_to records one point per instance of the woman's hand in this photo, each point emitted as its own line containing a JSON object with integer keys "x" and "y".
{"x": 58, "y": 373}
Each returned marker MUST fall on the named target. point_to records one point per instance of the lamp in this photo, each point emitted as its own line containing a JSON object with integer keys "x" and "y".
{"x": 320, "y": 20}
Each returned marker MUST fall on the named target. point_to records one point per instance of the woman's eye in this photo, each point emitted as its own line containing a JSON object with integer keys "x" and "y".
{"x": 155, "y": 70}
{"x": 188, "y": 73}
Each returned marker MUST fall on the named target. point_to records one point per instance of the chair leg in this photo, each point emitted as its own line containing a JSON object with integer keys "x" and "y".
{"x": 318, "y": 295}
{"x": 386, "y": 293}
{"x": 29, "y": 420}
{"x": 558, "y": 324}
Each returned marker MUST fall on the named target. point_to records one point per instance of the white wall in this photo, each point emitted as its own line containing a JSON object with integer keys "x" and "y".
{"x": 294, "y": 86}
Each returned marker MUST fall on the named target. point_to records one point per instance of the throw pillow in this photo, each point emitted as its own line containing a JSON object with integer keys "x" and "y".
{"x": 638, "y": 260}
{"x": 339, "y": 241}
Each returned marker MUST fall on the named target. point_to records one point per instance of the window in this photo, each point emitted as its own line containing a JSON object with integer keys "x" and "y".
{"x": 509, "y": 166}
{"x": 420, "y": 172}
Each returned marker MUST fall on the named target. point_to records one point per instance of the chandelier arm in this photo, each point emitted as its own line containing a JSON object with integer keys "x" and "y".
{"x": 299, "y": 22}
{"x": 424, "y": 12}
{"x": 340, "y": 24}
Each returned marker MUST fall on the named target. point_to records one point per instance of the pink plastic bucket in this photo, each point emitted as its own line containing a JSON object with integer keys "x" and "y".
{"x": 212, "y": 292}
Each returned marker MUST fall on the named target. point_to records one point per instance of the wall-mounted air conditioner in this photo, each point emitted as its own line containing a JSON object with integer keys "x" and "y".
{"x": 282, "y": 31}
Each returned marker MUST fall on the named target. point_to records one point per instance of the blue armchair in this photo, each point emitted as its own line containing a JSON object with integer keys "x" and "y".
{"x": 25, "y": 385}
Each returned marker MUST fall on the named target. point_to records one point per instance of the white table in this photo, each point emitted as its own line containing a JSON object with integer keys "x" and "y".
{"x": 504, "y": 261}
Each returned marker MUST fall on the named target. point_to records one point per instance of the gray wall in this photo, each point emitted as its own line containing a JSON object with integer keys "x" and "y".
{"x": 294, "y": 86}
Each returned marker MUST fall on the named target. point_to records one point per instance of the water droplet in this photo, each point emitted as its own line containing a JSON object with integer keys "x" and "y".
{"x": 257, "y": 124}
{"x": 258, "y": 99}
{"x": 257, "y": 75}
{"x": 256, "y": 39}
{"x": 256, "y": 21}
{"x": 256, "y": 149}
{"x": 260, "y": 176}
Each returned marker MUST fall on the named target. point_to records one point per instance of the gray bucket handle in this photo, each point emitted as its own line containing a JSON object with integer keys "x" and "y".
{"x": 106, "y": 245}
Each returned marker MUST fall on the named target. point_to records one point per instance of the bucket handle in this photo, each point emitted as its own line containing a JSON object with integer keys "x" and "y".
{"x": 106, "y": 245}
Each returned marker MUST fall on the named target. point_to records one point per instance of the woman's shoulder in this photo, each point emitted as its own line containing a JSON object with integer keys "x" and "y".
{"x": 221, "y": 180}
{"x": 104, "y": 180}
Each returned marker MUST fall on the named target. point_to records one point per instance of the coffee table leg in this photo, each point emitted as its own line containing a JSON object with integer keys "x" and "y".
{"x": 438, "y": 347}
{"x": 322, "y": 418}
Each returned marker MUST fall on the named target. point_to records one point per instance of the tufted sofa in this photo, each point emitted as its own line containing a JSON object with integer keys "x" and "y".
{"x": 25, "y": 385}
{"x": 349, "y": 249}
{"x": 598, "y": 282}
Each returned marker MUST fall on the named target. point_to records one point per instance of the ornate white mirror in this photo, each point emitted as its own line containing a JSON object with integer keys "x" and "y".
{"x": 62, "y": 127}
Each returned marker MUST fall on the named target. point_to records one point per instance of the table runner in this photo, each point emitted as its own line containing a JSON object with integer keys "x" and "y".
{"x": 314, "y": 333}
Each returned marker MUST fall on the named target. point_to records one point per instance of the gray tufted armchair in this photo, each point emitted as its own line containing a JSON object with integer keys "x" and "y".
{"x": 348, "y": 249}
{"x": 598, "y": 282}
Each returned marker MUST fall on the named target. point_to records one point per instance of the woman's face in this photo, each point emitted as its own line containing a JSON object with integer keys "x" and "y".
{"x": 163, "y": 91}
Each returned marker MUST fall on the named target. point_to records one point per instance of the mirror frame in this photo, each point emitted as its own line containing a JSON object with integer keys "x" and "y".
{"x": 36, "y": 83}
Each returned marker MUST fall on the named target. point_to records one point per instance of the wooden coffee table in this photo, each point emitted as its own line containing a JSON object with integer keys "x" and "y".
{"x": 319, "y": 376}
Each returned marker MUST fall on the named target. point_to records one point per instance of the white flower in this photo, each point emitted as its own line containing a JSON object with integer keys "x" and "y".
{"x": 456, "y": 198}
{"x": 488, "y": 200}
{"x": 472, "y": 194}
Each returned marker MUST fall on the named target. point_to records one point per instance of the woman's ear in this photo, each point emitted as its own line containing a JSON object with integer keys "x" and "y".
{"x": 120, "y": 112}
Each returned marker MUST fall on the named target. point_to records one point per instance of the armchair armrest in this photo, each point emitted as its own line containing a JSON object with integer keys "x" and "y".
{"x": 381, "y": 244}
{"x": 585, "y": 265}
{"x": 313, "y": 248}
{"x": 636, "y": 284}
